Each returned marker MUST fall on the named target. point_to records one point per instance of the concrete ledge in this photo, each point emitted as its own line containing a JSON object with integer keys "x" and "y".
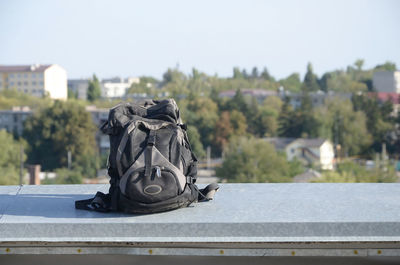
{"x": 343, "y": 220}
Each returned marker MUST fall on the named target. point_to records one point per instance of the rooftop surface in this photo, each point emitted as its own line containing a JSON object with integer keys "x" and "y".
{"x": 240, "y": 215}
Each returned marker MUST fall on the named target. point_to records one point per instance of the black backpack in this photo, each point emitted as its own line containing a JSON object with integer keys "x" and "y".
{"x": 151, "y": 164}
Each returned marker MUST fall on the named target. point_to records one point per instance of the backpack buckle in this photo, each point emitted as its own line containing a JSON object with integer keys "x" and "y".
{"x": 152, "y": 138}
{"x": 189, "y": 179}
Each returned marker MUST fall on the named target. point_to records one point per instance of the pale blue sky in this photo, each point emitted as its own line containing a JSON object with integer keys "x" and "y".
{"x": 133, "y": 38}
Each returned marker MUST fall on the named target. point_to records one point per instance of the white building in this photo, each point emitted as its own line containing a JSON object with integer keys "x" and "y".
{"x": 308, "y": 151}
{"x": 387, "y": 81}
{"x": 117, "y": 87}
{"x": 36, "y": 80}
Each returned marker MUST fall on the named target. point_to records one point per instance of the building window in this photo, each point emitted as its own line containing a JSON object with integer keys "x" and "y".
{"x": 11, "y": 83}
{"x": 11, "y": 75}
{"x": 26, "y": 90}
{"x": 19, "y": 75}
{"x": 25, "y": 83}
{"x": 41, "y": 83}
{"x": 19, "y": 83}
{"x": 34, "y": 83}
{"x": 33, "y": 75}
{"x": 25, "y": 75}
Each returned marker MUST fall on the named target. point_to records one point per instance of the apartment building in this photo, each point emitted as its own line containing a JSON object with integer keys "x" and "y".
{"x": 100, "y": 116}
{"x": 79, "y": 87}
{"x": 387, "y": 81}
{"x": 13, "y": 120}
{"x": 36, "y": 80}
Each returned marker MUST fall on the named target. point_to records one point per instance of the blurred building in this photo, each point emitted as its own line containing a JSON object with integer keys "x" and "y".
{"x": 117, "y": 87}
{"x": 318, "y": 98}
{"x": 36, "y": 80}
{"x": 387, "y": 81}
{"x": 308, "y": 151}
{"x": 79, "y": 87}
{"x": 394, "y": 98}
{"x": 259, "y": 94}
{"x": 13, "y": 120}
{"x": 99, "y": 117}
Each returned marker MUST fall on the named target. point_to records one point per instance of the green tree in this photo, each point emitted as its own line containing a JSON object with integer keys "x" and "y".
{"x": 254, "y": 73}
{"x": 380, "y": 122}
{"x": 175, "y": 82}
{"x": 269, "y": 113}
{"x": 292, "y": 83}
{"x": 253, "y": 160}
{"x": 201, "y": 113}
{"x": 53, "y": 131}
{"x": 288, "y": 122}
{"x": 309, "y": 124}
{"x": 342, "y": 125}
{"x": 94, "y": 90}
{"x": 10, "y": 158}
{"x": 11, "y": 97}
{"x": 388, "y": 66}
{"x": 72, "y": 94}
{"x": 265, "y": 75}
{"x": 230, "y": 124}
{"x": 310, "y": 80}
{"x": 237, "y": 73}
{"x": 194, "y": 138}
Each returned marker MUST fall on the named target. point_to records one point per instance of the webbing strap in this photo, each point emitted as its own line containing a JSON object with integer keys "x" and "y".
{"x": 151, "y": 140}
{"x": 122, "y": 145}
{"x": 100, "y": 203}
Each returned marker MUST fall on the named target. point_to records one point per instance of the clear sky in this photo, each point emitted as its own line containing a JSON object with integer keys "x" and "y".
{"x": 133, "y": 38}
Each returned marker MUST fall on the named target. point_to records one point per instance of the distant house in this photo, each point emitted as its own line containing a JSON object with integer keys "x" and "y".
{"x": 387, "y": 81}
{"x": 308, "y": 151}
{"x": 117, "y": 87}
{"x": 36, "y": 80}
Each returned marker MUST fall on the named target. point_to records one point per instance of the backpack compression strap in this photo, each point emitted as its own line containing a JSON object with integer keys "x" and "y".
{"x": 100, "y": 202}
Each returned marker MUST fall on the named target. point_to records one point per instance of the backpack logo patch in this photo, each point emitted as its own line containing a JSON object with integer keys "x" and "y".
{"x": 152, "y": 189}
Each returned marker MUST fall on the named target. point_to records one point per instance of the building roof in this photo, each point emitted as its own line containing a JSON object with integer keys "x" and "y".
{"x": 386, "y": 96}
{"x": 280, "y": 143}
{"x": 24, "y": 68}
{"x": 309, "y": 143}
